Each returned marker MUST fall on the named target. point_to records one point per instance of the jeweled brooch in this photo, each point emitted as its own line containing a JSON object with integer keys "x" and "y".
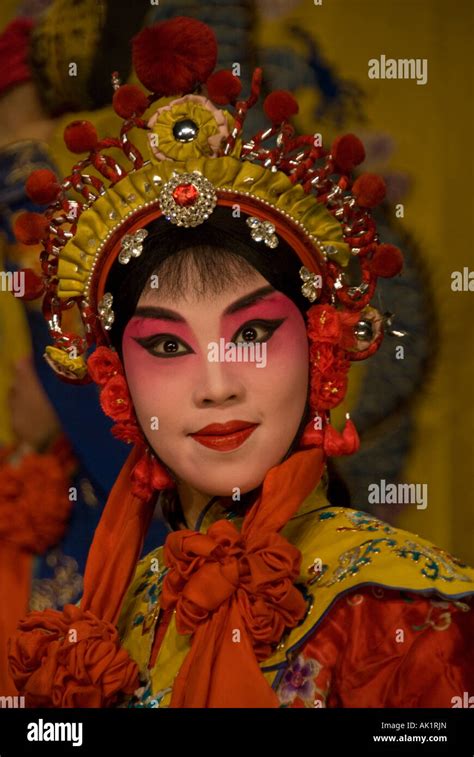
{"x": 187, "y": 199}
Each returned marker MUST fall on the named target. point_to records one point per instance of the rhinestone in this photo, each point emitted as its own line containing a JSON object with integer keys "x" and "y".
{"x": 92, "y": 242}
{"x": 147, "y": 187}
{"x": 113, "y": 215}
{"x": 185, "y": 130}
{"x": 185, "y": 195}
{"x": 131, "y": 198}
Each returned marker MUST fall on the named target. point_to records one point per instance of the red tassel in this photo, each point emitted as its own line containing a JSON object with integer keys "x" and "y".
{"x": 160, "y": 479}
{"x": 337, "y": 444}
{"x": 311, "y": 436}
{"x": 147, "y": 476}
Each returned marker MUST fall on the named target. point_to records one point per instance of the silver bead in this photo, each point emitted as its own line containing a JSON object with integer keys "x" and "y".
{"x": 185, "y": 130}
{"x": 364, "y": 330}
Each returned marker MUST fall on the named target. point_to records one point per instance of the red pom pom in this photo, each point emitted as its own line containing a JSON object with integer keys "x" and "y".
{"x": 42, "y": 186}
{"x": 129, "y": 100}
{"x": 386, "y": 261}
{"x": 369, "y": 190}
{"x": 30, "y": 228}
{"x": 80, "y": 136}
{"x": 280, "y": 106}
{"x": 174, "y": 56}
{"x": 347, "y": 152}
{"x": 34, "y": 285}
{"x": 223, "y": 87}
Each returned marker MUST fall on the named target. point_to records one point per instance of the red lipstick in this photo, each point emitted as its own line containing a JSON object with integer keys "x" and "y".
{"x": 224, "y": 437}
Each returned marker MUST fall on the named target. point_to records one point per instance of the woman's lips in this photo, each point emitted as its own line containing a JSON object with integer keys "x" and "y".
{"x": 224, "y": 436}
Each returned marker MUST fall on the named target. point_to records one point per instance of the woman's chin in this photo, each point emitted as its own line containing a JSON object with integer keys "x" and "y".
{"x": 219, "y": 483}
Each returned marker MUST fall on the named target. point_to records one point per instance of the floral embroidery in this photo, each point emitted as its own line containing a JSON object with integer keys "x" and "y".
{"x": 298, "y": 681}
{"x": 365, "y": 522}
{"x": 351, "y": 561}
{"x": 150, "y": 589}
{"x": 435, "y": 561}
{"x": 327, "y": 515}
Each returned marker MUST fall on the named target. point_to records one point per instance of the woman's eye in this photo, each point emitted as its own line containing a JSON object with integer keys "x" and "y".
{"x": 257, "y": 331}
{"x": 164, "y": 345}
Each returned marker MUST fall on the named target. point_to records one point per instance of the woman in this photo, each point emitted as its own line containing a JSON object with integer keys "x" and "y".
{"x": 211, "y": 276}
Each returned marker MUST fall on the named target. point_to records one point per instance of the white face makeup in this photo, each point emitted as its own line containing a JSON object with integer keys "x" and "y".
{"x": 174, "y": 384}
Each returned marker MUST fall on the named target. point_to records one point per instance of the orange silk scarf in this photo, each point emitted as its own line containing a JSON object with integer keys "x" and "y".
{"x": 234, "y": 592}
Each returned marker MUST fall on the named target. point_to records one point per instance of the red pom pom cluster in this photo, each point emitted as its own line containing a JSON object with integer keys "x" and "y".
{"x": 173, "y": 57}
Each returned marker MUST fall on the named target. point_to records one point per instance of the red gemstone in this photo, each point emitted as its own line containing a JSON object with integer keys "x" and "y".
{"x": 185, "y": 194}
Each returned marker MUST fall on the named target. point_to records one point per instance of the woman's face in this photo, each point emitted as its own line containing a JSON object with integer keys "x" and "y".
{"x": 238, "y": 358}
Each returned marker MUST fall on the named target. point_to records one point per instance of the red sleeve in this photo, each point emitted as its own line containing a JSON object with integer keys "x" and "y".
{"x": 385, "y": 648}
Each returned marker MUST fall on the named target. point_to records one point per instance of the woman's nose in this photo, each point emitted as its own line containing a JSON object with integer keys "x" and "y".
{"x": 217, "y": 384}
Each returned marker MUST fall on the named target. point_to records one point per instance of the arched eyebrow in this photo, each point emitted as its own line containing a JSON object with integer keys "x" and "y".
{"x": 165, "y": 314}
{"x": 249, "y": 299}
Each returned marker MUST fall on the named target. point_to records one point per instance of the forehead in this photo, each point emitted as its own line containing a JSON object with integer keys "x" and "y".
{"x": 193, "y": 295}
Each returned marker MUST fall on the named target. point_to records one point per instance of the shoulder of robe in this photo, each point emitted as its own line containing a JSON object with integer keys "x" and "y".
{"x": 343, "y": 549}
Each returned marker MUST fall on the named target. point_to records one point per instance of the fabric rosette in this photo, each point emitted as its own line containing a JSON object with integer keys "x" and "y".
{"x": 220, "y": 580}
{"x": 213, "y": 126}
{"x": 70, "y": 659}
